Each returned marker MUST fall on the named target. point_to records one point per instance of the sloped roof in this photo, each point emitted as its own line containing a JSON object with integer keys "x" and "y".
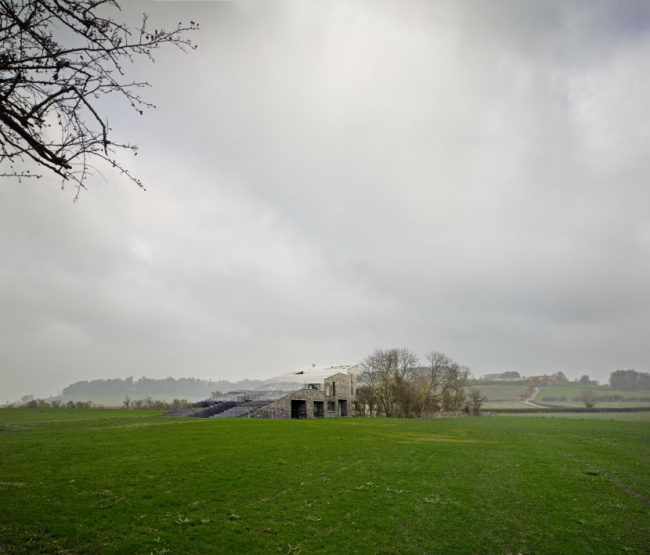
{"x": 292, "y": 381}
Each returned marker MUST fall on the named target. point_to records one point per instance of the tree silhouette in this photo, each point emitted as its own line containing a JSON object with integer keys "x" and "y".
{"x": 58, "y": 59}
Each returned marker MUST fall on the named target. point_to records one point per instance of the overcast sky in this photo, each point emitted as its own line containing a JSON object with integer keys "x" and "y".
{"x": 328, "y": 177}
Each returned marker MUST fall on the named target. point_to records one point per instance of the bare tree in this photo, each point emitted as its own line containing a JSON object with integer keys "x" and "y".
{"x": 475, "y": 401}
{"x": 446, "y": 383}
{"x": 589, "y": 397}
{"x": 407, "y": 363}
{"x": 402, "y": 388}
{"x": 58, "y": 59}
{"x": 377, "y": 371}
{"x": 454, "y": 382}
{"x": 367, "y": 401}
{"x": 437, "y": 366}
{"x": 405, "y": 391}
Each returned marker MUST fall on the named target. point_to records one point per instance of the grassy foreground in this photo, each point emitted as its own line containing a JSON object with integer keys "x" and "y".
{"x": 127, "y": 482}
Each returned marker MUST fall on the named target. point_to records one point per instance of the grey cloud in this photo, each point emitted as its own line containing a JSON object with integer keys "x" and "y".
{"x": 325, "y": 178}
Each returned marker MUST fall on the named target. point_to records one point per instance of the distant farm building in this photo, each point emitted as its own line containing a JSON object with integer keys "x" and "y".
{"x": 545, "y": 380}
{"x": 510, "y": 376}
{"x": 315, "y": 392}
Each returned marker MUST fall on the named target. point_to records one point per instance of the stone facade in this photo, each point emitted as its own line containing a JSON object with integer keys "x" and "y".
{"x": 334, "y": 400}
{"x": 315, "y": 392}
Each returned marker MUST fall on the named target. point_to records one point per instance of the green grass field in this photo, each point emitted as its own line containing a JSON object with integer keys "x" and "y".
{"x": 99, "y": 481}
{"x": 13, "y": 417}
{"x": 574, "y": 391}
{"x": 501, "y": 396}
{"x": 641, "y": 416}
{"x": 499, "y": 392}
{"x": 489, "y": 405}
{"x": 570, "y": 392}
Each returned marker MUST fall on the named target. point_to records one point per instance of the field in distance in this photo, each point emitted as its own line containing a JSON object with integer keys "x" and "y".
{"x": 102, "y": 481}
{"x": 505, "y": 396}
{"x": 564, "y": 395}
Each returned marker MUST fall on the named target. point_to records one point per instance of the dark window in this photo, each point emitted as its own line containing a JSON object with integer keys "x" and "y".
{"x": 334, "y": 389}
{"x": 298, "y": 408}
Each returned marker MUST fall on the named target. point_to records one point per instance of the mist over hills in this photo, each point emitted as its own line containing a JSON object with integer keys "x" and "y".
{"x": 175, "y": 387}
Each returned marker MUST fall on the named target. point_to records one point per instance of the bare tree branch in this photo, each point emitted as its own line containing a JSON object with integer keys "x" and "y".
{"x": 49, "y": 90}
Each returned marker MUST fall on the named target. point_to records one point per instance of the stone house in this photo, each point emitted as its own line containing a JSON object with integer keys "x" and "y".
{"x": 315, "y": 392}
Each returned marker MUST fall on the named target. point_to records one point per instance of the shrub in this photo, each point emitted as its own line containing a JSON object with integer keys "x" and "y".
{"x": 589, "y": 398}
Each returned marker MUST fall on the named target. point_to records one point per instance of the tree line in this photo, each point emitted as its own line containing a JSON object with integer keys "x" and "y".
{"x": 191, "y": 387}
{"x": 147, "y": 403}
{"x": 394, "y": 383}
{"x": 629, "y": 380}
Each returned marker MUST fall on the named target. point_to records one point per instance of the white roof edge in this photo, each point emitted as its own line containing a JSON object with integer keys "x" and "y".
{"x": 309, "y": 375}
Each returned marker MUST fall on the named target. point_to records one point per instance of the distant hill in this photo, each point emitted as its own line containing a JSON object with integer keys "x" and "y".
{"x": 167, "y": 387}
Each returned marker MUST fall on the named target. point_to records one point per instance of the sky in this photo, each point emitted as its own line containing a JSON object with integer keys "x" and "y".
{"x": 325, "y": 178}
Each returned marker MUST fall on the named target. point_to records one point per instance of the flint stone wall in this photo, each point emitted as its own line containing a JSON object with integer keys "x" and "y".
{"x": 281, "y": 409}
